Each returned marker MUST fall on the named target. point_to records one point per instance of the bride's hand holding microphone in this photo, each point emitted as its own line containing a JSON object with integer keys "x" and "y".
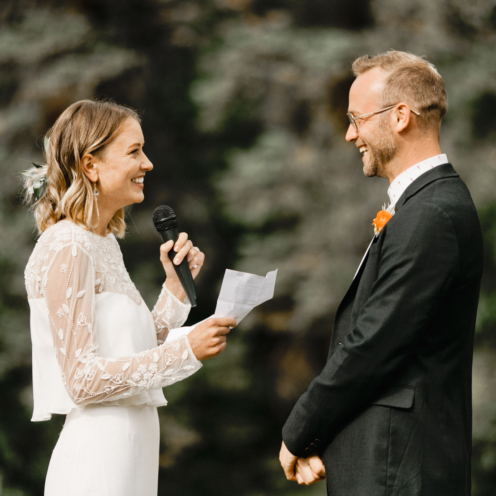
{"x": 184, "y": 249}
{"x": 208, "y": 338}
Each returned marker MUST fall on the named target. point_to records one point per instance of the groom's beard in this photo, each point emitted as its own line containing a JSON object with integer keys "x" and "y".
{"x": 381, "y": 150}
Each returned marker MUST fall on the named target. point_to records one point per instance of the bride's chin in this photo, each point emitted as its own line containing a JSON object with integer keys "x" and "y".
{"x": 138, "y": 198}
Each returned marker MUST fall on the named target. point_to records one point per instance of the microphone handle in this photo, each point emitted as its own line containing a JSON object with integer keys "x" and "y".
{"x": 182, "y": 270}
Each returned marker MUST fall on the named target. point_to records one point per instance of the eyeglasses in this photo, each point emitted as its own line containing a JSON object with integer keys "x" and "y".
{"x": 353, "y": 120}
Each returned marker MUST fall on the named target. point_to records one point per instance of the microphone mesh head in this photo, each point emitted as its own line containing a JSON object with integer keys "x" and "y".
{"x": 164, "y": 218}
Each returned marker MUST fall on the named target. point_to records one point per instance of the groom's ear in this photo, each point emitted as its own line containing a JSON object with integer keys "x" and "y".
{"x": 402, "y": 116}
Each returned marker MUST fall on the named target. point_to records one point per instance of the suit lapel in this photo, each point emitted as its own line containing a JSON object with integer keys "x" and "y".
{"x": 364, "y": 257}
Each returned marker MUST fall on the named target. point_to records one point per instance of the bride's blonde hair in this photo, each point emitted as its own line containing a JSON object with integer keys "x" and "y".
{"x": 85, "y": 127}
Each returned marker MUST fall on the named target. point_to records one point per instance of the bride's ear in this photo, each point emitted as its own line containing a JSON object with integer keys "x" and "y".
{"x": 90, "y": 167}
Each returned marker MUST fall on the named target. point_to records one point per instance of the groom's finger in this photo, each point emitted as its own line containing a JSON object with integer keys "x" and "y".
{"x": 317, "y": 465}
{"x": 288, "y": 461}
{"x": 303, "y": 469}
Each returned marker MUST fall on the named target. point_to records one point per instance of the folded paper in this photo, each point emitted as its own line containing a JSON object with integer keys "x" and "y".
{"x": 239, "y": 294}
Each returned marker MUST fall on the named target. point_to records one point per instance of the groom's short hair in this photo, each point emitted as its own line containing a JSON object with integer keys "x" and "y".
{"x": 411, "y": 79}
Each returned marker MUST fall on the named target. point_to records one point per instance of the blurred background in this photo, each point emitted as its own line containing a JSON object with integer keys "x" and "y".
{"x": 243, "y": 105}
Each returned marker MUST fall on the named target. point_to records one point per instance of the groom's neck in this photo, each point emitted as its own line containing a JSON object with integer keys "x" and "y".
{"x": 411, "y": 154}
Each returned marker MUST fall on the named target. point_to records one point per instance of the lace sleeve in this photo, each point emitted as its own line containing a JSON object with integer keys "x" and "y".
{"x": 70, "y": 299}
{"x": 168, "y": 313}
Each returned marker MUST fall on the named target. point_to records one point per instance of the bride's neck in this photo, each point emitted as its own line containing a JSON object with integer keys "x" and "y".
{"x": 99, "y": 221}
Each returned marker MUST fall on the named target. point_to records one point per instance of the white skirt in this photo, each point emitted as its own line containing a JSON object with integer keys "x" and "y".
{"x": 106, "y": 451}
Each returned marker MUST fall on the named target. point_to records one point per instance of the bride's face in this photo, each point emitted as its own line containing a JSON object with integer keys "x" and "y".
{"x": 122, "y": 167}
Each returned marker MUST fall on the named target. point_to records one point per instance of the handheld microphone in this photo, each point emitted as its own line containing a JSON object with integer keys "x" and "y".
{"x": 165, "y": 222}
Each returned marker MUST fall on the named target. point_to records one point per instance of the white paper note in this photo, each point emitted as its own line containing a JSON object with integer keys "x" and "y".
{"x": 242, "y": 292}
{"x": 239, "y": 294}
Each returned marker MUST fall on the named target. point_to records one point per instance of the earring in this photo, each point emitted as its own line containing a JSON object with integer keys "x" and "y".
{"x": 95, "y": 194}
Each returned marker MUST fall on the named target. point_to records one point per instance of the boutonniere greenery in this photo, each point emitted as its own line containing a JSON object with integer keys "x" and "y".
{"x": 382, "y": 218}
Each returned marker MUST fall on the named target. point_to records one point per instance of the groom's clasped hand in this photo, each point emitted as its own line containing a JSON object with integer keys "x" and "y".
{"x": 305, "y": 471}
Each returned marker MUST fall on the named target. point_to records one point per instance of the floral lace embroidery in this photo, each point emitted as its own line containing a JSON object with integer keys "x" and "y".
{"x": 65, "y": 270}
{"x": 168, "y": 313}
{"x": 110, "y": 273}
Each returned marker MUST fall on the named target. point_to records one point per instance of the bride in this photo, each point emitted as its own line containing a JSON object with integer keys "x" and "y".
{"x": 99, "y": 355}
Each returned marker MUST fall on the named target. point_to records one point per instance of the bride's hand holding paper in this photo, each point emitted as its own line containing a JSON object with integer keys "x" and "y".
{"x": 240, "y": 293}
{"x": 208, "y": 338}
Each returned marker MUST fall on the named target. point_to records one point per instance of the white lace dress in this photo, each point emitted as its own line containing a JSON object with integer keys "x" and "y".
{"x": 100, "y": 357}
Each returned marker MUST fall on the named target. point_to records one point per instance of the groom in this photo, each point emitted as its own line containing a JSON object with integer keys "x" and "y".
{"x": 390, "y": 413}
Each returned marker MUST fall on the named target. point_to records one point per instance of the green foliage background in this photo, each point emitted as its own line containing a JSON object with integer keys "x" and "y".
{"x": 242, "y": 104}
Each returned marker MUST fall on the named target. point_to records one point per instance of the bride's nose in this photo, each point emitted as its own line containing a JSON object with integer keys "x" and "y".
{"x": 146, "y": 165}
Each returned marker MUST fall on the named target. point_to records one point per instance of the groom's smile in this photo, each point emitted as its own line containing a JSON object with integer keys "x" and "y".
{"x": 363, "y": 150}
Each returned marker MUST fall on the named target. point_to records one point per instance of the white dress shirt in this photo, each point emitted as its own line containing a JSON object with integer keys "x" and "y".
{"x": 399, "y": 185}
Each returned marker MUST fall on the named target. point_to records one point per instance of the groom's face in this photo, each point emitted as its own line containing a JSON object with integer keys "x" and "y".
{"x": 374, "y": 138}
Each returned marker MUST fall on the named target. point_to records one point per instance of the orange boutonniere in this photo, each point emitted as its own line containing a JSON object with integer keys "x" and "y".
{"x": 382, "y": 218}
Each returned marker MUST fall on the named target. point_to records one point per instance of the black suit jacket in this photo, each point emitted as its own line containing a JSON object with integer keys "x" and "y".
{"x": 391, "y": 410}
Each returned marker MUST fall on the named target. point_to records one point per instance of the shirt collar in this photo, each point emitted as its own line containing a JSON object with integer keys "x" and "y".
{"x": 399, "y": 185}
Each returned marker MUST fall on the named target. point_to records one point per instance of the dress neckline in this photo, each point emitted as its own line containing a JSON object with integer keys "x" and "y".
{"x": 87, "y": 231}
